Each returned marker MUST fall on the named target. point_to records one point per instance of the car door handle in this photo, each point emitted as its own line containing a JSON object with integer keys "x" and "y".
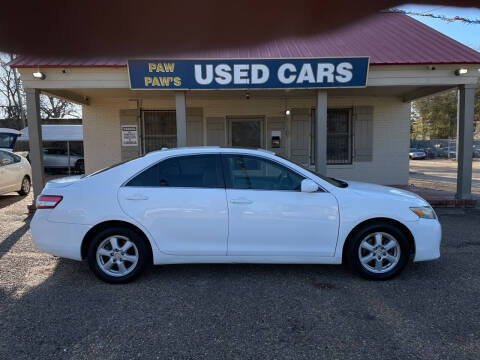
{"x": 137, "y": 197}
{"x": 241, "y": 201}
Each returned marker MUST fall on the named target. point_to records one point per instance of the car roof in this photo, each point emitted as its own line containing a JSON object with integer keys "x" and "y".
{"x": 207, "y": 150}
{"x": 10, "y": 131}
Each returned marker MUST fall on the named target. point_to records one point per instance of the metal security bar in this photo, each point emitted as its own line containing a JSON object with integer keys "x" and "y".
{"x": 159, "y": 129}
{"x": 339, "y": 137}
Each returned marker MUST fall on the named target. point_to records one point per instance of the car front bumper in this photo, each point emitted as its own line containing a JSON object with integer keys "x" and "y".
{"x": 428, "y": 235}
{"x": 60, "y": 239}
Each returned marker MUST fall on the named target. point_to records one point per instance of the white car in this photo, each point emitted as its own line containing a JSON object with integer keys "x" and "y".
{"x": 15, "y": 173}
{"x": 8, "y": 138}
{"x": 57, "y": 158}
{"x": 217, "y": 205}
{"x": 417, "y": 154}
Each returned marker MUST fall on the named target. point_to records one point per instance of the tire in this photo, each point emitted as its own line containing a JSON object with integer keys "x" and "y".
{"x": 389, "y": 256}
{"x": 25, "y": 187}
{"x": 105, "y": 261}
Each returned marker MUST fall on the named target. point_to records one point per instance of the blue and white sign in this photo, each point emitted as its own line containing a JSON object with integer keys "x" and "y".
{"x": 248, "y": 73}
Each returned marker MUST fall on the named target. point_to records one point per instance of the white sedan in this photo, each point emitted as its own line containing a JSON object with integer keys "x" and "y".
{"x": 15, "y": 173}
{"x": 213, "y": 205}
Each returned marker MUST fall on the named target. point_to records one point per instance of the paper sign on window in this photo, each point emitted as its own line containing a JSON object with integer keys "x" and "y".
{"x": 129, "y": 135}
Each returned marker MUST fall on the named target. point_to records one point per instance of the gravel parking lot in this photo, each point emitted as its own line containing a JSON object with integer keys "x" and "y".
{"x": 52, "y": 308}
{"x": 441, "y": 174}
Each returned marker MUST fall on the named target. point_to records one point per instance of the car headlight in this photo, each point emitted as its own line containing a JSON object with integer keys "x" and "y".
{"x": 425, "y": 212}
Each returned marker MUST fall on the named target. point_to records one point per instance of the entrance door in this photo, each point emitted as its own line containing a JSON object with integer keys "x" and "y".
{"x": 270, "y": 216}
{"x": 246, "y": 132}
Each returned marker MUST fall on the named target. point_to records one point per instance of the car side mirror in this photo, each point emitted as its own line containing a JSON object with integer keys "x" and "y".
{"x": 309, "y": 186}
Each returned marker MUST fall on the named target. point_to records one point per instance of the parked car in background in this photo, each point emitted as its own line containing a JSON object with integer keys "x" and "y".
{"x": 220, "y": 205}
{"x": 8, "y": 139}
{"x": 15, "y": 173}
{"x": 417, "y": 154}
{"x": 442, "y": 152}
{"x": 431, "y": 152}
{"x": 476, "y": 151}
{"x": 57, "y": 158}
{"x": 452, "y": 153}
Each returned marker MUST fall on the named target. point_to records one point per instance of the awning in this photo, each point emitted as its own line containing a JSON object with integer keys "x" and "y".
{"x": 57, "y": 133}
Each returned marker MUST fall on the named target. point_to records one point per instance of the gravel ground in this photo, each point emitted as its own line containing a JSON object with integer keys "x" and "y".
{"x": 52, "y": 308}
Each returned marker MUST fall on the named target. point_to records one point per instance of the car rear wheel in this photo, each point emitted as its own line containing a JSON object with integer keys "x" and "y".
{"x": 26, "y": 186}
{"x": 118, "y": 255}
{"x": 378, "y": 251}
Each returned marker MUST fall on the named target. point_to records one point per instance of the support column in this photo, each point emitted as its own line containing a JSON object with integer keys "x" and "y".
{"x": 35, "y": 140}
{"x": 465, "y": 109}
{"x": 321, "y": 133}
{"x": 181, "y": 112}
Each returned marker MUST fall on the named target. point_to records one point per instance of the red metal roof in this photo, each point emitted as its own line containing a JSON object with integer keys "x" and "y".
{"x": 388, "y": 38}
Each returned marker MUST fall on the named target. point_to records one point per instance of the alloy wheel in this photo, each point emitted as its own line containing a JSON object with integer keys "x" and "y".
{"x": 117, "y": 256}
{"x": 379, "y": 252}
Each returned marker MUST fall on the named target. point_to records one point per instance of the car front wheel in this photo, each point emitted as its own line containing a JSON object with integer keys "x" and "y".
{"x": 378, "y": 251}
{"x": 118, "y": 255}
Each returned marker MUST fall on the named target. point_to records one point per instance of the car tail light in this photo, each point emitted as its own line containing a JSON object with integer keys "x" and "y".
{"x": 48, "y": 201}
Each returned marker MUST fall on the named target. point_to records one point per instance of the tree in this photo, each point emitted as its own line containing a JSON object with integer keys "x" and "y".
{"x": 53, "y": 108}
{"x": 12, "y": 98}
{"x": 11, "y": 93}
{"x": 435, "y": 117}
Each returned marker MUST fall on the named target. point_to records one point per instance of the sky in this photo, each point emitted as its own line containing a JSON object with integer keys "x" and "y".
{"x": 468, "y": 34}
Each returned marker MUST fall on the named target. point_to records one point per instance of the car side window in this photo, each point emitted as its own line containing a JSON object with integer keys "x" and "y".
{"x": 200, "y": 171}
{"x": 6, "y": 158}
{"x": 251, "y": 172}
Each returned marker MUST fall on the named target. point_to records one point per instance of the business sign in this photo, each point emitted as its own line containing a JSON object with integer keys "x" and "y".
{"x": 129, "y": 135}
{"x": 248, "y": 73}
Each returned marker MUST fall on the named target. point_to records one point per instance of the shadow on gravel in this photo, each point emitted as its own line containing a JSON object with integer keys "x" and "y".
{"x": 11, "y": 239}
{"x": 7, "y": 200}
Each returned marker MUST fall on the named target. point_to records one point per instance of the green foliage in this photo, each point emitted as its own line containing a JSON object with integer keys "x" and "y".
{"x": 435, "y": 117}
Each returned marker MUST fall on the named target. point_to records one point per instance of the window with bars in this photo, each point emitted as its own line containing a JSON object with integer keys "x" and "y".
{"x": 339, "y": 137}
{"x": 159, "y": 129}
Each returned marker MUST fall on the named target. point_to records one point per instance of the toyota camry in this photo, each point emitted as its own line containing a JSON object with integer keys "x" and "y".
{"x": 219, "y": 205}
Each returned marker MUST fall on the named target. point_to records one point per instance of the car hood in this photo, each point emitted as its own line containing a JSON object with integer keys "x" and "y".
{"x": 62, "y": 182}
{"x": 370, "y": 191}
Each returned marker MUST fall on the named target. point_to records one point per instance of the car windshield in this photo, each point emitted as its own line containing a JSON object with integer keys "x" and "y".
{"x": 330, "y": 180}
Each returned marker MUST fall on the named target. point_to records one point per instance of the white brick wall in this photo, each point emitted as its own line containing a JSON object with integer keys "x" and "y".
{"x": 390, "y": 132}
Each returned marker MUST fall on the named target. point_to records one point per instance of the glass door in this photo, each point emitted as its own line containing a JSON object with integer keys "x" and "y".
{"x": 246, "y": 132}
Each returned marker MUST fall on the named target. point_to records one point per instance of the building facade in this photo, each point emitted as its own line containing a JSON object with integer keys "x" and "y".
{"x": 344, "y": 128}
